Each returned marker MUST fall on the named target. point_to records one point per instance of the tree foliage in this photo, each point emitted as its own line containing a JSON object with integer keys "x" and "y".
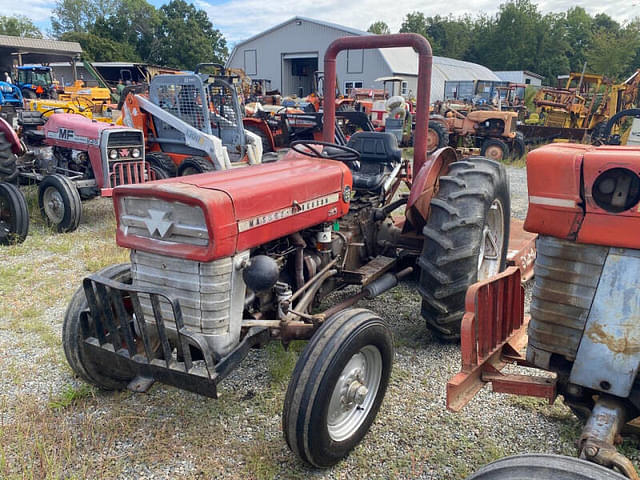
{"x": 379, "y": 27}
{"x": 19, "y": 26}
{"x": 177, "y": 34}
{"x": 520, "y": 37}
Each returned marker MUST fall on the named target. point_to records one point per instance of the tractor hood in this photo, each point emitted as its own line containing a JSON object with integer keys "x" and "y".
{"x": 585, "y": 193}
{"x": 235, "y": 209}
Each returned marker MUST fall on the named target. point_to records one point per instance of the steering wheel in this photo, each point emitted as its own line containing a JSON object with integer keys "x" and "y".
{"x": 329, "y": 151}
{"x": 83, "y": 103}
{"x": 50, "y": 111}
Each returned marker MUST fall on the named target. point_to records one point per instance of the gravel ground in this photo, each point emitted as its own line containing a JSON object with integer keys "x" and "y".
{"x": 52, "y": 426}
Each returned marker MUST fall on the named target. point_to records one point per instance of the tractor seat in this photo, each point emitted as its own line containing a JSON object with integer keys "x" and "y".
{"x": 377, "y": 150}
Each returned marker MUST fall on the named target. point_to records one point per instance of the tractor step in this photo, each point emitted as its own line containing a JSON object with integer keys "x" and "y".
{"x": 370, "y": 272}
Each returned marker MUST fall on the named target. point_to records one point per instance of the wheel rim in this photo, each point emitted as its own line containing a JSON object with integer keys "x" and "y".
{"x": 53, "y": 205}
{"x": 491, "y": 242}
{"x": 354, "y": 394}
{"x": 494, "y": 152}
{"x": 5, "y": 217}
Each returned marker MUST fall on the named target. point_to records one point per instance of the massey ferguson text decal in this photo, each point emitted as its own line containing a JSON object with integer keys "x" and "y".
{"x": 68, "y": 135}
{"x": 295, "y": 209}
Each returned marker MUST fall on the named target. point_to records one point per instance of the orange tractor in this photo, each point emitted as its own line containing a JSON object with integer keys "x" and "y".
{"x": 584, "y": 205}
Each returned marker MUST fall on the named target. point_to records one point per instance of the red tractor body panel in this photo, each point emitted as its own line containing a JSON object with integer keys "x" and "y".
{"x": 247, "y": 207}
{"x": 561, "y": 180}
{"x": 76, "y": 132}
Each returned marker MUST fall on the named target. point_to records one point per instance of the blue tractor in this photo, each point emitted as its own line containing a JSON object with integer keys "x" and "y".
{"x": 10, "y": 101}
{"x": 36, "y": 82}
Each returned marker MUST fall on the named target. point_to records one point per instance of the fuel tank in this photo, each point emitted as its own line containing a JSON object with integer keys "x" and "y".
{"x": 213, "y": 215}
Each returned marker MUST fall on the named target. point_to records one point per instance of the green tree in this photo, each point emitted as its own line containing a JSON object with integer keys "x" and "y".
{"x": 186, "y": 37}
{"x": 100, "y": 49}
{"x": 19, "y": 26}
{"x": 415, "y": 22}
{"x": 612, "y": 54}
{"x": 78, "y": 15}
{"x": 379, "y": 27}
{"x": 579, "y": 25}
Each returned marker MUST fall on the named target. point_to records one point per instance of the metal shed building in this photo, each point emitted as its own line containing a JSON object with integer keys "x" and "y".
{"x": 289, "y": 53}
{"x": 20, "y": 50}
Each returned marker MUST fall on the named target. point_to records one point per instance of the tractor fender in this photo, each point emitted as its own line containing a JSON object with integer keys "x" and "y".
{"x": 262, "y": 126}
{"x": 16, "y": 145}
{"x": 425, "y": 185}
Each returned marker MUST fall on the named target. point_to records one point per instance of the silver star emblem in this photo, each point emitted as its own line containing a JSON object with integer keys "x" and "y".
{"x": 156, "y": 222}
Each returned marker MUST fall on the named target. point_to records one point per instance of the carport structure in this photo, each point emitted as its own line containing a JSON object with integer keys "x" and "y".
{"x": 21, "y": 50}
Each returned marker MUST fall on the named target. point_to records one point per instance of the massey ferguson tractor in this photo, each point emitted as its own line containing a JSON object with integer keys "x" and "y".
{"x": 585, "y": 309}
{"x": 229, "y": 260}
{"x": 71, "y": 158}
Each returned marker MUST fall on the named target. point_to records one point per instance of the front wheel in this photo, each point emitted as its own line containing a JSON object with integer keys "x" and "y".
{"x": 74, "y": 348}
{"x": 59, "y": 203}
{"x": 465, "y": 240}
{"x": 337, "y": 387}
{"x": 495, "y": 149}
{"x": 14, "y": 215}
{"x": 195, "y": 165}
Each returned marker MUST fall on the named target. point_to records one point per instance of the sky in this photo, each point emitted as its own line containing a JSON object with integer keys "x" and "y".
{"x": 241, "y": 19}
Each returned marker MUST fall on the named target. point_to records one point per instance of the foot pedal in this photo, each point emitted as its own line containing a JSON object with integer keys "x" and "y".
{"x": 140, "y": 384}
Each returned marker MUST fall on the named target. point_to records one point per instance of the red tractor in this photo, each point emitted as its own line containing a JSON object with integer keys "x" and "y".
{"x": 229, "y": 260}
{"x": 71, "y": 158}
{"x": 585, "y": 309}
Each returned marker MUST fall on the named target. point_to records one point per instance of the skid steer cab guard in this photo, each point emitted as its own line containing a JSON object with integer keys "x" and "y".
{"x": 584, "y": 309}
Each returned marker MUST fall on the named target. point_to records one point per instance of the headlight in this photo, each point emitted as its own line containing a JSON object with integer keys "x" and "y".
{"x": 113, "y": 154}
{"x": 135, "y": 153}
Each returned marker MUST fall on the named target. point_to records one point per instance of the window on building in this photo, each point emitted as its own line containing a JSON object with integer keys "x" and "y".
{"x": 348, "y": 86}
{"x": 527, "y": 81}
{"x": 404, "y": 88}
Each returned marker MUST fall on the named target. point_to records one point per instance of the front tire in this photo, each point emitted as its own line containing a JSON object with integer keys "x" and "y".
{"x": 337, "y": 387}
{"x": 195, "y": 165}
{"x": 59, "y": 203}
{"x": 78, "y": 357}
{"x": 465, "y": 240}
{"x": 437, "y": 136}
{"x": 494, "y": 149}
{"x": 14, "y": 215}
{"x": 159, "y": 160}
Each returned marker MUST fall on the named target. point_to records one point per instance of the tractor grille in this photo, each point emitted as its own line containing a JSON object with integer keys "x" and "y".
{"x": 566, "y": 278}
{"x": 125, "y": 138}
{"x": 203, "y": 290}
{"x": 128, "y": 173}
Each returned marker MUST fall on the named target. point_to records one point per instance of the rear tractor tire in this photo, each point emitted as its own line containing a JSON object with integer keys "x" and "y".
{"x": 14, "y": 215}
{"x": 161, "y": 162}
{"x": 266, "y": 143}
{"x": 78, "y": 356}
{"x": 59, "y": 203}
{"x": 337, "y": 387}
{"x": 465, "y": 240}
{"x": 8, "y": 161}
{"x": 195, "y": 165}
{"x": 437, "y": 136}
{"x": 518, "y": 147}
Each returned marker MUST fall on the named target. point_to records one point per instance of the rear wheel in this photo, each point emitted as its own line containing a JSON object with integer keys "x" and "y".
{"x": 337, "y": 387}
{"x": 74, "y": 348}
{"x": 8, "y": 161}
{"x": 14, "y": 215}
{"x": 465, "y": 240}
{"x": 494, "y": 149}
{"x": 195, "y": 165}
{"x": 59, "y": 203}
{"x": 518, "y": 147}
{"x": 437, "y": 137}
{"x": 544, "y": 467}
{"x": 28, "y": 93}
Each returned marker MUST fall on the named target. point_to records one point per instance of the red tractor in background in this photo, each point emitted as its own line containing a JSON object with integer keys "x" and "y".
{"x": 585, "y": 308}
{"x": 229, "y": 260}
{"x": 71, "y": 158}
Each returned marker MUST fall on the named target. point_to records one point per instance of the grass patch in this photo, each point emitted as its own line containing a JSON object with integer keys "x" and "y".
{"x": 69, "y": 396}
